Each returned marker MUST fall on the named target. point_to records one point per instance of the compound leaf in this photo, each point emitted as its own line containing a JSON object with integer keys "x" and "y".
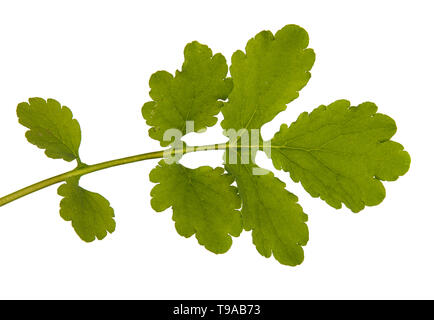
{"x": 267, "y": 77}
{"x": 340, "y": 153}
{"x": 52, "y": 128}
{"x": 203, "y": 202}
{"x": 272, "y": 213}
{"x": 89, "y": 212}
{"x": 193, "y": 94}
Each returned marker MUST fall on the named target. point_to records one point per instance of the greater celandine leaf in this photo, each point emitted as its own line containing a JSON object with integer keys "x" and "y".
{"x": 52, "y": 128}
{"x": 340, "y": 153}
{"x": 90, "y": 213}
{"x": 193, "y": 94}
{"x": 203, "y": 202}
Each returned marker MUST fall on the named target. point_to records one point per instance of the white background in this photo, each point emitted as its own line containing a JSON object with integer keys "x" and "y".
{"x": 96, "y": 57}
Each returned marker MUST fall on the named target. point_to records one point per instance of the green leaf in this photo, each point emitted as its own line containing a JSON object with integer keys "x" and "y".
{"x": 193, "y": 94}
{"x": 272, "y": 212}
{"x": 51, "y": 128}
{"x": 89, "y": 212}
{"x": 340, "y": 153}
{"x": 267, "y": 77}
{"x": 203, "y": 202}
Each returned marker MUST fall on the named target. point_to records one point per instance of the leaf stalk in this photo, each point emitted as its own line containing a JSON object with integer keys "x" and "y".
{"x": 81, "y": 171}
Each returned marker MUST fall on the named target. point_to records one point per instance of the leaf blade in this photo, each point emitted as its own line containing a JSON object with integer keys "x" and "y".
{"x": 51, "y": 127}
{"x": 340, "y": 153}
{"x": 193, "y": 94}
{"x": 90, "y": 213}
{"x": 277, "y": 221}
{"x": 267, "y": 77}
{"x": 203, "y": 201}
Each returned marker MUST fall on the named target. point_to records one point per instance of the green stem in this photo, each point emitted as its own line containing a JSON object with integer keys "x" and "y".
{"x": 100, "y": 166}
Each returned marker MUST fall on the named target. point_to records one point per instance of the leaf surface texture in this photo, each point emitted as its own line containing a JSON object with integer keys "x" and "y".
{"x": 203, "y": 202}
{"x": 193, "y": 94}
{"x": 272, "y": 213}
{"x": 267, "y": 76}
{"x": 340, "y": 153}
{"x": 89, "y": 212}
{"x": 51, "y": 127}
